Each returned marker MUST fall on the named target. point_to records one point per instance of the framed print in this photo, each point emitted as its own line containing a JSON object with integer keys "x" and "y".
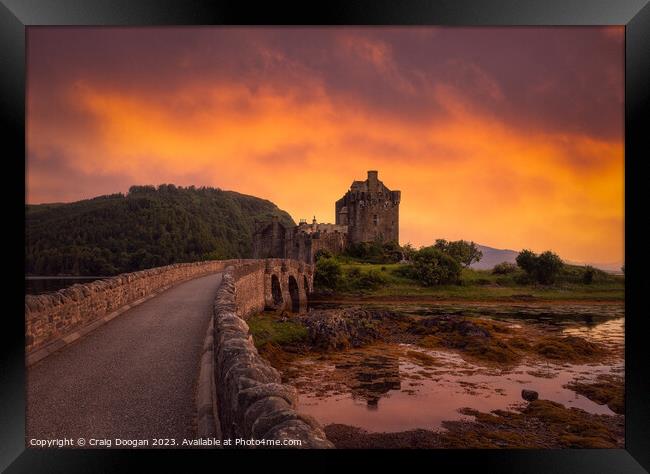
{"x": 392, "y": 232}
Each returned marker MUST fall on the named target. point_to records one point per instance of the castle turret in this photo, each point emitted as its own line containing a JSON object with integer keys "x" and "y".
{"x": 370, "y": 210}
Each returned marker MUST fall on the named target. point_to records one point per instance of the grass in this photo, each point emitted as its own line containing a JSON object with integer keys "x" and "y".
{"x": 276, "y": 336}
{"x": 270, "y": 328}
{"x": 483, "y": 285}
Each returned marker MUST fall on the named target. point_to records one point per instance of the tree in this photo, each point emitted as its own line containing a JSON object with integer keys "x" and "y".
{"x": 542, "y": 268}
{"x": 442, "y": 245}
{"x": 148, "y": 227}
{"x": 527, "y": 261}
{"x": 549, "y": 266}
{"x": 328, "y": 274}
{"x": 464, "y": 252}
{"x": 431, "y": 266}
{"x": 408, "y": 251}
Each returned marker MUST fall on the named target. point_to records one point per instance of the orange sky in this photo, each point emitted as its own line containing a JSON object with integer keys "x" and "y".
{"x": 511, "y": 137}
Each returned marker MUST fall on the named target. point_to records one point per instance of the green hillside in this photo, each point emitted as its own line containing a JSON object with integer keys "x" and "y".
{"x": 147, "y": 227}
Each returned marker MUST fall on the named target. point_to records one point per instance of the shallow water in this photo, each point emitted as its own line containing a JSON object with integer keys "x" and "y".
{"x": 383, "y": 388}
{"x": 610, "y": 333}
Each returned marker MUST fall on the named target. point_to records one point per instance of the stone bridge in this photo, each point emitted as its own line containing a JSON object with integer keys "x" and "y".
{"x": 177, "y": 363}
{"x": 285, "y": 283}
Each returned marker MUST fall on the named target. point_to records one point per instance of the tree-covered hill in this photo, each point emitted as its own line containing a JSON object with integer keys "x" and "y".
{"x": 147, "y": 227}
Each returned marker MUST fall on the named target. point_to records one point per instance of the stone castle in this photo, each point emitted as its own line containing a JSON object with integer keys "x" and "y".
{"x": 368, "y": 212}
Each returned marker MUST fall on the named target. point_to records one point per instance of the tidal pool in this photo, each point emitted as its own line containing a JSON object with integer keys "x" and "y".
{"x": 397, "y": 387}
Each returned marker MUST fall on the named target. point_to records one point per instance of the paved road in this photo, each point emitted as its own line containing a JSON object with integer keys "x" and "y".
{"x": 134, "y": 377}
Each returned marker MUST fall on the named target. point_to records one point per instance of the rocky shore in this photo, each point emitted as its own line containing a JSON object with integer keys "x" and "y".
{"x": 542, "y": 424}
{"x": 363, "y": 345}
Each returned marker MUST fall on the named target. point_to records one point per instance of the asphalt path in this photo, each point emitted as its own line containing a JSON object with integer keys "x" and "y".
{"x": 132, "y": 378}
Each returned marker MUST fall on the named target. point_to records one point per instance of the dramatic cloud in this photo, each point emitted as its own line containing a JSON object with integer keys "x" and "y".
{"x": 512, "y": 137}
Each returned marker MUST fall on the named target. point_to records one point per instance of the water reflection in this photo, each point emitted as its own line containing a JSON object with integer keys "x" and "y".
{"x": 397, "y": 387}
{"x": 370, "y": 376}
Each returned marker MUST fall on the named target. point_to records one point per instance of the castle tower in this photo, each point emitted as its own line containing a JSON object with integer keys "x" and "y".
{"x": 370, "y": 210}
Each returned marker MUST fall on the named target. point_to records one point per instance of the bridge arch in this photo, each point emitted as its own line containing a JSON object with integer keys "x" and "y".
{"x": 294, "y": 294}
{"x": 276, "y": 291}
{"x": 305, "y": 284}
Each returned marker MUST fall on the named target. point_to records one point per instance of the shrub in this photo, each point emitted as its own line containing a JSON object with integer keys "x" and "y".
{"x": 405, "y": 271}
{"x": 431, "y": 267}
{"x": 354, "y": 272}
{"x": 375, "y": 252}
{"x": 370, "y": 280}
{"x": 322, "y": 253}
{"x": 408, "y": 251}
{"x": 585, "y": 275}
{"x": 391, "y": 252}
{"x": 543, "y": 268}
{"x": 504, "y": 268}
{"x": 328, "y": 274}
{"x": 366, "y": 251}
{"x": 523, "y": 279}
{"x": 588, "y": 275}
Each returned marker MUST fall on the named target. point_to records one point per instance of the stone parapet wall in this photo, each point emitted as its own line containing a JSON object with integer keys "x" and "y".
{"x": 51, "y": 316}
{"x": 252, "y": 402}
{"x": 250, "y": 282}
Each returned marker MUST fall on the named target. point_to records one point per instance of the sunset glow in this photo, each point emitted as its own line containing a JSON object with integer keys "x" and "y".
{"x": 511, "y": 137}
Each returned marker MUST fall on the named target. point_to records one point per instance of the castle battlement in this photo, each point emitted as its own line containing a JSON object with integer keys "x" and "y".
{"x": 368, "y": 212}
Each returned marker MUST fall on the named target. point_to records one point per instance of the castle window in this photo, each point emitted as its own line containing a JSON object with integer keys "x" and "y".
{"x": 375, "y": 219}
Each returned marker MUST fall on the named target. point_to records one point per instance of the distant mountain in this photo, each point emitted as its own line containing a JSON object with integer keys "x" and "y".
{"x": 145, "y": 228}
{"x": 492, "y": 256}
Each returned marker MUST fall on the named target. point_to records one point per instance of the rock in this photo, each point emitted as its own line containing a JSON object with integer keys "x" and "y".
{"x": 529, "y": 395}
{"x": 337, "y": 329}
{"x": 468, "y": 328}
{"x": 250, "y": 395}
{"x": 260, "y": 408}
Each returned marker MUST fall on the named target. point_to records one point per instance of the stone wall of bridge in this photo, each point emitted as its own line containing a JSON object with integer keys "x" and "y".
{"x": 251, "y": 400}
{"x": 248, "y": 399}
{"x": 54, "y": 316}
{"x": 272, "y": 284}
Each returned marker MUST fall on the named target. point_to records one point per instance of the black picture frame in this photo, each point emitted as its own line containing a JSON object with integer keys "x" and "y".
{"x": 16, "y": 15}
